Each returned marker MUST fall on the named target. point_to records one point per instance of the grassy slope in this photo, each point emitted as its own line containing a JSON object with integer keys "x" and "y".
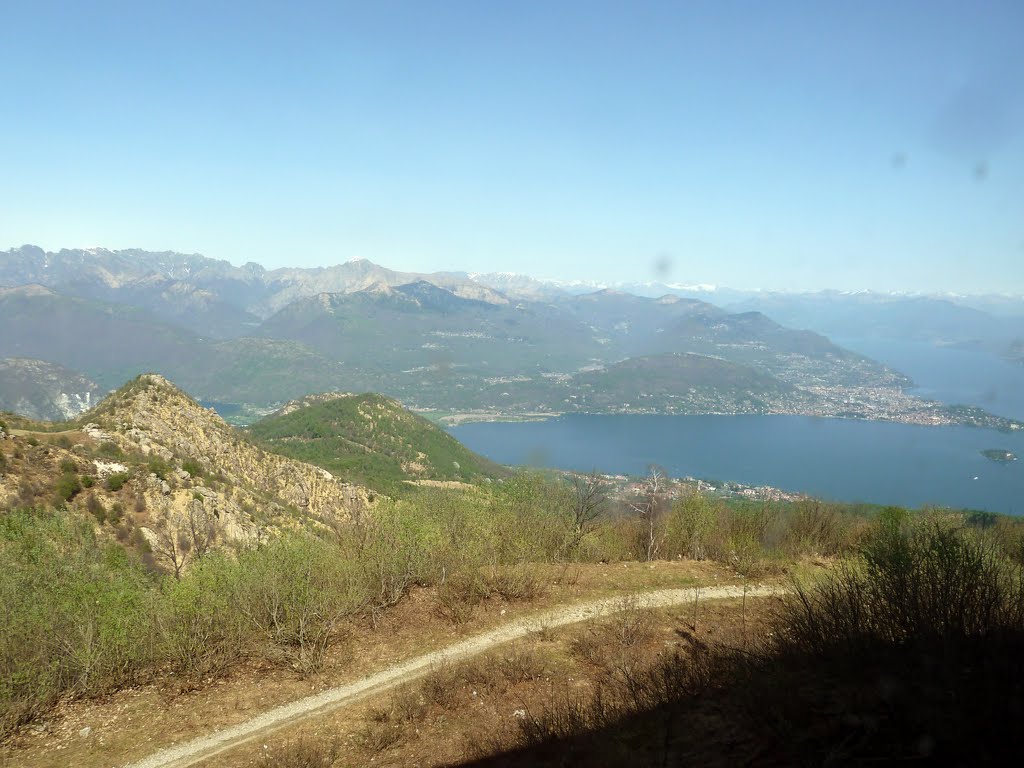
{"x": 372, "y": 440}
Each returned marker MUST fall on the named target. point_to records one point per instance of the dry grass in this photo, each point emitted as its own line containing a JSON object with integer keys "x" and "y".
{"x": 134, "y": 722}
{"x": 484, "y": 706}
{"x": 302, "y": 752}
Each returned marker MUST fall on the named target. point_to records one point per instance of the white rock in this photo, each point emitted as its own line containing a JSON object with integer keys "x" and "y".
{"x": 85, "y": 732}
{"x": 94, "y": 431}
{"x": 105, "y": 468}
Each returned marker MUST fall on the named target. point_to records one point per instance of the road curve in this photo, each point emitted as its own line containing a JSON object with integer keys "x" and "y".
{"x": 192, "y": 752}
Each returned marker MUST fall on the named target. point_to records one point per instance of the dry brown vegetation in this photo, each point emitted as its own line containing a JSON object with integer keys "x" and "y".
{"x": 487, "y": 705}
{"x": 914, "y": 650}
{"x": 131, "y": 722}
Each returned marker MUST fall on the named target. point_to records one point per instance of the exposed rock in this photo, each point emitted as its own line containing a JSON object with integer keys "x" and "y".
{"x": 153, "y": 416}
{"x": 107, "y": 468}
{"x": 93, "y": 431}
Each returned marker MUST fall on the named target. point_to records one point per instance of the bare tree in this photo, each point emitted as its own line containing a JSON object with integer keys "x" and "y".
{"x": 590, "y": 496}
{"x": 202, "y": 527}
{"x": 649, "y": 510}
{"x": 171, "y": 544}
{"x": 351, "y": 523}
{"x": 180, "y": 538}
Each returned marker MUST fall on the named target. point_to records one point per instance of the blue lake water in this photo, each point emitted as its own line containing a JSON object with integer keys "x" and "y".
{"x": 838, "y": 459}
{"x": 834, "y": 458}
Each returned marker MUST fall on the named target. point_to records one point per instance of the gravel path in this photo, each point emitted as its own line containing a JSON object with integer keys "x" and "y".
{"x": 192, "y": 752}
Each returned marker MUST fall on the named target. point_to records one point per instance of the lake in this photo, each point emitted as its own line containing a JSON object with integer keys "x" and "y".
{"x": 834, "y": 458}
{"x": 839, "y": 459}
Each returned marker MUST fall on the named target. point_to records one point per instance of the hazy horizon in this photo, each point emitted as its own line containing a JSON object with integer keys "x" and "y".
{"x": 787, "y": 146}
{"x": 573, "y": 281}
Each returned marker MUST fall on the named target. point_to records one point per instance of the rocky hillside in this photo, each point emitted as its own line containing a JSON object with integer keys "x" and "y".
{"x": 46, "y": 391}
{"x": 166, "y": 475}
{"x": 152, "y": 416}
{"x": 372, "y": 439}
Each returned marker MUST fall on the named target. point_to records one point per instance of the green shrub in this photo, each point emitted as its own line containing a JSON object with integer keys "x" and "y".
{"x": 111, "y": 449}
{"x": 116, "y": 481}
{"x": 158, "y": 467}
{"x": 691, "y": 526}
{"x": 96, "y": 509}
{"x": 296, "y": 592}
{"x": 68, "y": 465}
{"x": 917, "y": 580}
{"x": 193, "y": 467}
{"x": 816, "y": 528}
{"x": 115, "y": 513}
{"x": 67, "y": 486}
{"x": 200, "y": 628}
{"x": 74, "y": 617}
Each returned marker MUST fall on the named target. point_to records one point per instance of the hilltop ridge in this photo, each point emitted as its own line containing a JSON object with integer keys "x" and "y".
{"x": 152, "y": 415}
{"x": 167, "y": 476}
{"x": 372, "y": 439}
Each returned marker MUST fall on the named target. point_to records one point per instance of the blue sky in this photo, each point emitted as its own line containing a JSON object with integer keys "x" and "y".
{"x": 774, "y": 145}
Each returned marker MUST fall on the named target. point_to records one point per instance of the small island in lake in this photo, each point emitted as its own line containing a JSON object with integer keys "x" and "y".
{"x": 998, "y": 454}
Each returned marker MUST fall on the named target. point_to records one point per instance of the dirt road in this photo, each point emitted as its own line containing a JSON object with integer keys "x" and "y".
{"x": 193, "y": 752}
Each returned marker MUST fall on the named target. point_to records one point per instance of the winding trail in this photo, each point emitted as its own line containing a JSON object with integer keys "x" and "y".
{"x": 192, "y": 752}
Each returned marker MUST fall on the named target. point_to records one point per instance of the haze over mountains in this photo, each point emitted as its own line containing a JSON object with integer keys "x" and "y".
{"x": 456, "y": 342}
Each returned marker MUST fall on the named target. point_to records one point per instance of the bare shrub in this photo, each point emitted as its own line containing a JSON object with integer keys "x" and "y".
{"x": 691, "y": 526}
{"x": 376, "y": 736}
{"x": 303, "y": 752}
{"x": 441, "y": 685}
{"x": 408, "y": 704}
{"x": 816, "y": 528}
{"x": 497, "y": 672}
{"x": 605, "y": 643}
{"x": 519, "y": 581}
{"x": 520, "y": 664}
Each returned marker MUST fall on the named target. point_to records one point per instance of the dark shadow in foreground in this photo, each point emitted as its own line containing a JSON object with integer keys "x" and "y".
{"x": 915, "y": 652}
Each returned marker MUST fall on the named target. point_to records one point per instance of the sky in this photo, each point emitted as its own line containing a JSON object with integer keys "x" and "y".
{"x": 781, "y": 145}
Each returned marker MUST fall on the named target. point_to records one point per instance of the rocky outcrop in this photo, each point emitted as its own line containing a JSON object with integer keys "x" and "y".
{"x": 155, "y": 418}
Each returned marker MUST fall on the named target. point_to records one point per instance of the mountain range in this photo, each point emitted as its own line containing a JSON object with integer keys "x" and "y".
{"x": 450, "y": 342}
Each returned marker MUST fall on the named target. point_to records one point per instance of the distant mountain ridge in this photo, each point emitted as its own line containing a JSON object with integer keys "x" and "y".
{"x": 199, "y": 292}
{"x": 204, "y": 291}
{"x": 445, "y": 342}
